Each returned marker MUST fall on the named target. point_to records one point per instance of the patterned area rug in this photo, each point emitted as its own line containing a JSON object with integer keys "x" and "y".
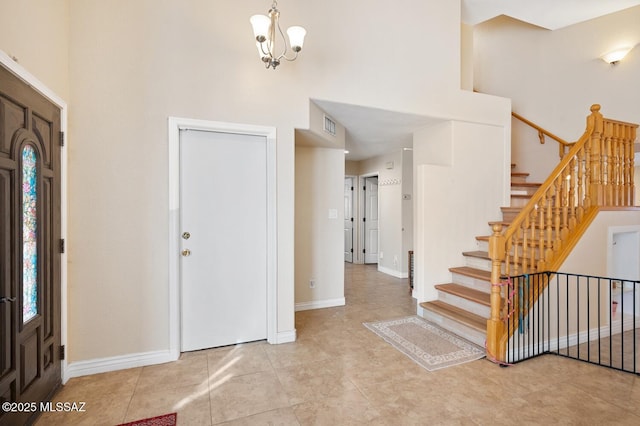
{"x": 164, "y": 420}
{"x": 427, "y": 344}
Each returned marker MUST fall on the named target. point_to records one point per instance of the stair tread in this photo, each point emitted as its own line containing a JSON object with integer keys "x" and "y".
{"x": 526, "y": 184}
{"x": 477, "y": 253}
{"x": 521, "y": 195}
{"x": 466, "y": 293}
{"x": 520, "y": 174}
{"x": 460, "y": 315}
{"x": 472, "y": 272}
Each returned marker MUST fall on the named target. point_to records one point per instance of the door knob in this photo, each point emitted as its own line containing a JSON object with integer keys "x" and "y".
{"x": 7, "y": 299}
{"x": 186, "y": 252}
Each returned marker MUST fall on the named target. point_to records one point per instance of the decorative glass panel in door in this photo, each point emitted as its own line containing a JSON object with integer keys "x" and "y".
{"x": 29, "y": 233}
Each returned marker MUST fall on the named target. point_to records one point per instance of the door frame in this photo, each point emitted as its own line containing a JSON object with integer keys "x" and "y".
{"x": 175, "y": 125}
{"x": 362, "y": 211}
{"x": 19, "y": 71}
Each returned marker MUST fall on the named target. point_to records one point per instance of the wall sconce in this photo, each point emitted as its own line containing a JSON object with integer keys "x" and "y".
{"x": 615, "y": 56}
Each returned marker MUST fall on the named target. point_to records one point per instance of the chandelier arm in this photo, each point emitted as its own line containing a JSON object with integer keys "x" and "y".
{"x": 285, "y": 42}
{"x": 289, "y": 59}
{"x": 267, "y": 53}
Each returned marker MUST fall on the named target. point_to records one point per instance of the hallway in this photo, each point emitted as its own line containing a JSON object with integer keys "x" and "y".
{"x": 340, "y": 373}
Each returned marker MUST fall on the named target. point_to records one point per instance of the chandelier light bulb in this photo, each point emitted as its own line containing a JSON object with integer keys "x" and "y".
{"x": 296, "y": 37}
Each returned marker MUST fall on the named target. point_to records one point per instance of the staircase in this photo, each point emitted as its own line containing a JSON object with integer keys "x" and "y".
{"x": 464, "y": 305}
{"x": 538, "y": 231}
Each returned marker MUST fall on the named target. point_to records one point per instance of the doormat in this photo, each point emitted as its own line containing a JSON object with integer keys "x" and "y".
{"x": 428, "y": 345}
{"x": 164, "y": 420}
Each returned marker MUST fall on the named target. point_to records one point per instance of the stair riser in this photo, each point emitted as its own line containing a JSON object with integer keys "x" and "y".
{"x": 455, "y": 327}
{"x": 466, "y": 304}
{"x": 471, "y": 282}
{"x": 518, "y": 179}
{"x": 478, "y": 263}
{"x": 529, "y": 190}
{"x": 509, "y": 216}
{"x": 519, "y": 201}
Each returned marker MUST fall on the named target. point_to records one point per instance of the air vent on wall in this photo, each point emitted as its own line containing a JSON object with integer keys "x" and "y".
{"x": 329, "y": 126}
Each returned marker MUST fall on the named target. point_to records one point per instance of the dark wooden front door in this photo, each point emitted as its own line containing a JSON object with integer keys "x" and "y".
{"x": 30, "y": 248}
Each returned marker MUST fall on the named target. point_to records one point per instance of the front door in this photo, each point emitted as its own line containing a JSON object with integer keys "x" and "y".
{"x": 29, "y": 246}
{"x": 223, "y": 226}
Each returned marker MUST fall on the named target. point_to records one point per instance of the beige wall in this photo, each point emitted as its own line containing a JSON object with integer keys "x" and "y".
{"x": 591, "y": 255}
{"x": 130, "y": 65}
{"x": 319, "y": 239}
{"x": 352, "y": 168}
{"x": 553, "y": 77}
{"x": 459, "y": 183}
{"x": 36, "y": 33}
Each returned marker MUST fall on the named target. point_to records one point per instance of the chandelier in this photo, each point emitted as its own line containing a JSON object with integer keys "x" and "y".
{"x": 266, "y": 29}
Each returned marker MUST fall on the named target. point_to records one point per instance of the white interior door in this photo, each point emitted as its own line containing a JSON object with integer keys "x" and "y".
{"x": 223, "y": 224}
{"x": 348, "y": 218}
{"x": 371, "y": 220}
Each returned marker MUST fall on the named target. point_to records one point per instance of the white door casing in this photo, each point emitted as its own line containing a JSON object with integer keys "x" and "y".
{"x": 176, "y": 124}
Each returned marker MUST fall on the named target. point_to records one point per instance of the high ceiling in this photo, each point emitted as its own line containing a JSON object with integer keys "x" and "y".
{"x": 550, "y": 14}
{"x": 372, "y": 132}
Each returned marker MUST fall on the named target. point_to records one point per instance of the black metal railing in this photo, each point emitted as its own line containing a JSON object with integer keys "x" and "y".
{"x": 588, "y": 318}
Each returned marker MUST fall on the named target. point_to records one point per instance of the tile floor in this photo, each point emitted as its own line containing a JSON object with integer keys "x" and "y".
{"x": 340, "y": 373}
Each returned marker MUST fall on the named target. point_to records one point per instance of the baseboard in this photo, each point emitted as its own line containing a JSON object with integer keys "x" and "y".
{"x": 397, "y": 274}
{"x": 285, "y": 337}
{"x": 320, "y": 304}
{"x": 104, "y": 365}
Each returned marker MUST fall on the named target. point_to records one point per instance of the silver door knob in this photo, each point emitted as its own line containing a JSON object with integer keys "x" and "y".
{"x": 186, "y": 252}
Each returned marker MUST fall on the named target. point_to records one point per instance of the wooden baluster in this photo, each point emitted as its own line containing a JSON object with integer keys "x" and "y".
{"x": 607, "y": 164}
{"x": 585, "y": 199}
{"x": 618, "y": 165}
{"x": 573, "y": 188}
{"x": 515, "y": 257}
{"x": 582, "y": 182}
{"x": 508, "y": 272}
{"x": 631, "y": 192}
{"x": 629, "y": 165}
{"x": 541, "y": 228}
{"x": 626, "y": 166}
{"x": 526, "y": 260}
{"x": 531, "y": 220}
{"x": 564, "y": 190}
{"x": 557, "y": 212}
{"x": 495, "y": 324}
{"x": 548, "y": 253}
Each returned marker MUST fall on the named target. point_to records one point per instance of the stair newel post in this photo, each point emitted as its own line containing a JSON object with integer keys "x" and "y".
{"x": 495, "y": 325}
{"x": 596, "y": 189}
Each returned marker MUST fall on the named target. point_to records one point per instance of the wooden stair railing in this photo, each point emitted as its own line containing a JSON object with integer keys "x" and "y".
{"x": 563, "y": 146}
{"x": 597, "y": 171}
